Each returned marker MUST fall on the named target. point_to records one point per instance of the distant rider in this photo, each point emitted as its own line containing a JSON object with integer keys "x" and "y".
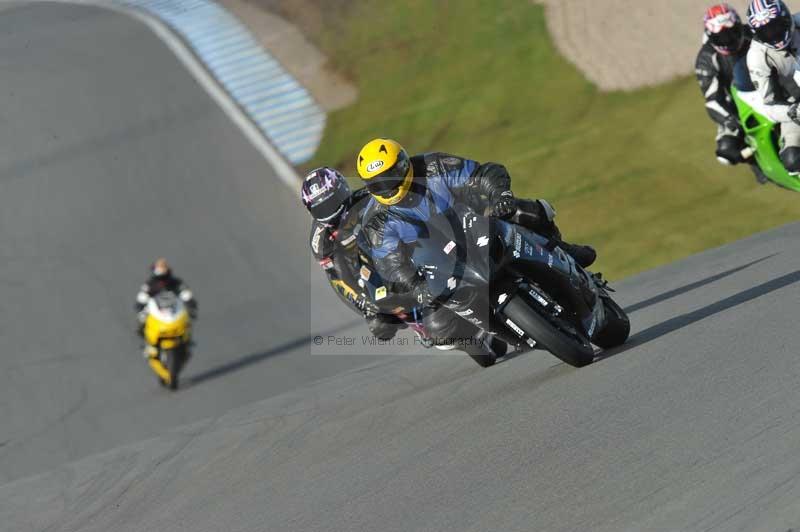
{"x": 772, "y": 61}
{"x": 406, "y": 191}
{"x": 725, "y": 45}
{"x": 161, "y": 279}
{"x": 336, "y": 217}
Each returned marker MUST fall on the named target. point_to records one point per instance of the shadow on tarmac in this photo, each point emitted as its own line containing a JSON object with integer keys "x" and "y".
{"x": 692, "y": 286}
{"x": 678, "y": 322}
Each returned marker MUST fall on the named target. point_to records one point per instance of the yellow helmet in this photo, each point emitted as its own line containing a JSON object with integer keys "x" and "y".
{"x": 385, "y": 168}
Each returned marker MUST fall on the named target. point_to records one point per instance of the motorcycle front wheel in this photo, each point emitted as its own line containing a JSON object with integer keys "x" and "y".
{"x": 173, "y": 366}
{"x": 550, "y": 332}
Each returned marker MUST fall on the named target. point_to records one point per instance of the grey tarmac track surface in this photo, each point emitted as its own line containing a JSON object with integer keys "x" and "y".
{"x": 695, "y": 426}
{"x": 110, "y": 155}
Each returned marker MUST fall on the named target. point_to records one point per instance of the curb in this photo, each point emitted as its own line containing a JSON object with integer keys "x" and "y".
{"x": 276, "y": 114}
{"x": 277, "y": 103}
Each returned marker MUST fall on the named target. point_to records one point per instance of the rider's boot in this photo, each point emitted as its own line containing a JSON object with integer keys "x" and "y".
{"x": 583, "y": 255}
{"x": 538, "y": 216}
{"x": 485, "y": 349}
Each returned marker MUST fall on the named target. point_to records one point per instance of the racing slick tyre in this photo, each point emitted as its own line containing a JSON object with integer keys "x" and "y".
{"x": 556, "y": 335}
{"x": 617, "y": 329}
{"x": 173, "y": 366}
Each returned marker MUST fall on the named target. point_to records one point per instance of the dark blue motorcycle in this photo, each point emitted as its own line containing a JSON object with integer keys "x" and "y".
{"x": 511, "y": 282}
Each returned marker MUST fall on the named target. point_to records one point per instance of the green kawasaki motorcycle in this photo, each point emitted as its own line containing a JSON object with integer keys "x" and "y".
{"x": 762, "y": 137}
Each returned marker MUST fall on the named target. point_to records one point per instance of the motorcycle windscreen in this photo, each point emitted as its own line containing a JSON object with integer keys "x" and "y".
{"x": 454, "y": 254}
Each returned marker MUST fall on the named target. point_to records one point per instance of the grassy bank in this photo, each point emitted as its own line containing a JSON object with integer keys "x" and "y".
{"x": 632, "y": 174}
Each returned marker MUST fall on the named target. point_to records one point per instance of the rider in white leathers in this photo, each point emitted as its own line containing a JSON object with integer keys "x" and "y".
{"x": 775, "y": 72}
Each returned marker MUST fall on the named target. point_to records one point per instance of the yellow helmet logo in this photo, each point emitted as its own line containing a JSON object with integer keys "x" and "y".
{"x": 385, "y": 168}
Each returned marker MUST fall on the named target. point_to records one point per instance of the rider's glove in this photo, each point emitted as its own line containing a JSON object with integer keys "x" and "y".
{"x": 422, "y": 295}
{"x": 368, "y": 310}
{"x": 505, "y": 206}
{"x": 794, "y": 113}
{"x": 383, "y": 328}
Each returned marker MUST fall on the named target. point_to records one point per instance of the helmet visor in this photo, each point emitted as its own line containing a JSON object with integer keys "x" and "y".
{"x": 776, "y": 32}
{"x": 387, "y": 183}
{"x": 331, "y": 205}
{"x": 729, "y": 39}
{"x": 326, "y": 211}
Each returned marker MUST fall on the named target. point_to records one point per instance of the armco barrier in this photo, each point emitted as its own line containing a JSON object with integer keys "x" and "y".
{"x": 281, "y": 108}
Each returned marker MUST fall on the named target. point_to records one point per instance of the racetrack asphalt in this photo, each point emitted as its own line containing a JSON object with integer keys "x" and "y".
{"x": 694, "y": 425}
{"x": 111, "y": 156}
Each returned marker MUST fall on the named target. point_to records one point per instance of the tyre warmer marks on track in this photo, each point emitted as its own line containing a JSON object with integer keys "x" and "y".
{"x": 282, "y": 109}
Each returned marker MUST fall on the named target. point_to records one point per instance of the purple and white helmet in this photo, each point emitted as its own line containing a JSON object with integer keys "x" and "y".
{"x": 772, "y": 23}
{"x": 324, "y": 193}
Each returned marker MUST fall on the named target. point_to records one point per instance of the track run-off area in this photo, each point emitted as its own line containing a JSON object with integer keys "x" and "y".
{"x": 113, "y": 155}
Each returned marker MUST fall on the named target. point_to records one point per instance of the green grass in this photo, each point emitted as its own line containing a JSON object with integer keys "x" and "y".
{"x": 633, "y": 174}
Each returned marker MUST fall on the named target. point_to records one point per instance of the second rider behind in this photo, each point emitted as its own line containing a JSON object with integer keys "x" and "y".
{"x": 406, "y": 191}
{"x": 724, "y": 50}
{"x": 337, "y": 215}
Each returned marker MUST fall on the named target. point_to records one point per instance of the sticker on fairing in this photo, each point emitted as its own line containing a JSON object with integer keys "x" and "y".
{"x": 315, "y": 240}
{"x": 542, "y": 301}
{"x": 517, "y": 246}
{"x": 326, "y": 264}
{"x": 514, "y": 327}
{"x": 451, "y": 283}
{"x": 365, "y": 273}
{"x": 483, "y": 241}
{"x": 449, "y": 247}
{"x": 380, "y": 293}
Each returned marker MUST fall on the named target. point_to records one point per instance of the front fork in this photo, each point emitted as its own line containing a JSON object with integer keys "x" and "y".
{"x": 159, "y": 369}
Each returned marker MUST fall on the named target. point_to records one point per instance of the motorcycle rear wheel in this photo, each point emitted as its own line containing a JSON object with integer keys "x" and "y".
{"x": 574, "y": 350}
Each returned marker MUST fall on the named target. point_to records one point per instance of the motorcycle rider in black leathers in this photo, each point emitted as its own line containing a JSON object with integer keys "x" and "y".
{"x": 724, "y": 52}
{"x": 161, "y": 279}
{"x": 406, "y": 191}
{"x": 336, "y": 216}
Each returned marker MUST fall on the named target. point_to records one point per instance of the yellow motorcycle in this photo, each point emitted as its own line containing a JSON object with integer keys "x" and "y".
{"x": 167, "y": 335}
